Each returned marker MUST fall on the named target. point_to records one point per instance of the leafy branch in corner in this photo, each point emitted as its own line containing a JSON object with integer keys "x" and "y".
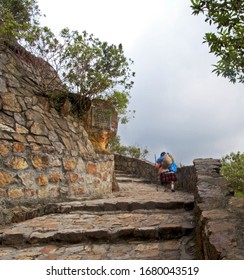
{"x": 228, "y": 40}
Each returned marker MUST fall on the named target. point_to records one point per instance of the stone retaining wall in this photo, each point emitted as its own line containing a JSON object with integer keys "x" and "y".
{"x": 219, "y": 215}
{"x": 44, "y": 156}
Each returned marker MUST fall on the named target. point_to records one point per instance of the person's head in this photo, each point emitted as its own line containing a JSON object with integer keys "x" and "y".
{"x": 162, "y": 154}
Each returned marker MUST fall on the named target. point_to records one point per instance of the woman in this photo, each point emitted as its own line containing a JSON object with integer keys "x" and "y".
{"x": 167, "y": 168}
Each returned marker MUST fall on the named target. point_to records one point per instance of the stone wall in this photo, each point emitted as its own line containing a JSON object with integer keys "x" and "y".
{"x": 44, "y": 157}
{"x": 186, "y": 178}
{"x": 219, "y": 215}
{"x": 137, "y": 167}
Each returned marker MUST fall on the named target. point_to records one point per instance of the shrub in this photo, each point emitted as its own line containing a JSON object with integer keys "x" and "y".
{"x": 233, "y": 169}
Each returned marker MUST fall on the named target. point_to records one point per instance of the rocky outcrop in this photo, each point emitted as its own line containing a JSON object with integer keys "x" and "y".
{"x": 43, "y": 156}
{"x": 101, "y": 123}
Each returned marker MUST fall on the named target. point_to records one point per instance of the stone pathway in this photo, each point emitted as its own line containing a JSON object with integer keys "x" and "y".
{"x": 138, "y": 222}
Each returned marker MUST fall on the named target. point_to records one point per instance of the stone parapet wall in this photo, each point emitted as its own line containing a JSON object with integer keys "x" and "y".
{"x": 219, "y": 215}
{"x": 186, "y": 178}
{"x": 44, "y": 157}
{"x": 137, "y": 167}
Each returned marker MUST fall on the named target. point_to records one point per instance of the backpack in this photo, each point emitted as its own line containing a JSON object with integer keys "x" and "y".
{"x": 167, "y": 161}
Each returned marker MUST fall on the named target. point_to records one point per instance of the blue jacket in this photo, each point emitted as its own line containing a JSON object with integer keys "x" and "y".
{"x": 173, "y": 167}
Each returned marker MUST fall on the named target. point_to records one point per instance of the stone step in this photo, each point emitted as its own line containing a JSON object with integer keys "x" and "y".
{"x": 176, "y": 249}
{"x": 79, "y": 227}
{"x": 131, "y": 197}
{"x": 167, "y": 201}
{"x": 118, "y": 172}
{"x": 141, "y": 221}
{"x": 125, "y": 179}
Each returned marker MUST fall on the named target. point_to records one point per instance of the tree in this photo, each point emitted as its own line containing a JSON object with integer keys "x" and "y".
{"x": 88, "y": 68}
{"x": 228, "y": 40}
{"x": 95, "y": 69}
{"x": 17, "y": 16}
{"x": 233, "y": 169}
{"x": 131, "y": 151}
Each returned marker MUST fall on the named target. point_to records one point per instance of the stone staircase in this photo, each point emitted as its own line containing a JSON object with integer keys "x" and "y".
{"x": 141, "y": 221}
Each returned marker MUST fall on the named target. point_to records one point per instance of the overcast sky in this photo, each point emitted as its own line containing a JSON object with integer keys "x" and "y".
{"x": 181, "y": 106}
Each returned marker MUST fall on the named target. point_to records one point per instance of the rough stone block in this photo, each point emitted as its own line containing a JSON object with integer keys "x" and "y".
{"x": 18, "y": 163}
{"x": 91, "y": 168}
{"x": 18, "y": 147}
{"x": 4, "y": 149}
{"x": 55, "y": 177}
{"x": 40, "y": 161}
{"x": 10, "y": 103}
{"x": 73, "y": 177}
{"x": 6, "y": 178}
{"x": 21, "y": 129}
{"x": 77, "y": 190}
{"x": 42, "y": 180}
{"x": 39, "y": 129}
{"x": 48, "y": 192}
{"x": 69, "y": 164}
{"x": 16, "y": 193}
